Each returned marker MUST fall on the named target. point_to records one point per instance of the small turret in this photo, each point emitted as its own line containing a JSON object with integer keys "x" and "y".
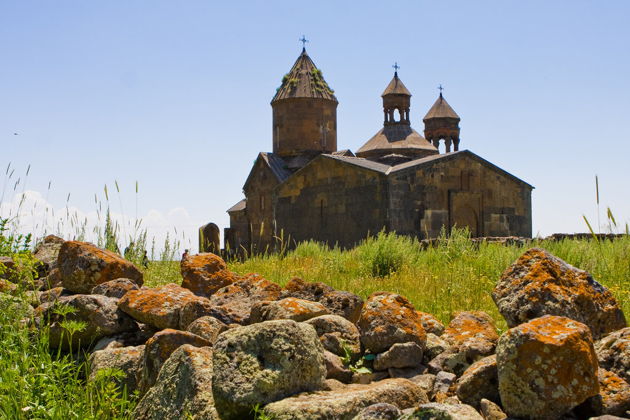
{"x": 442, "y": 122}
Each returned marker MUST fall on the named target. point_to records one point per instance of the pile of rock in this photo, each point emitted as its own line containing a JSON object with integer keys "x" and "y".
{"x": 222, "y": 346}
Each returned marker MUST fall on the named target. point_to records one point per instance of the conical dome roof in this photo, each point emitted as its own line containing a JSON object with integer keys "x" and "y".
{"x": 441, "y": 109}
{"x": 304, "y": 80}
{"x": 396, "y": 87}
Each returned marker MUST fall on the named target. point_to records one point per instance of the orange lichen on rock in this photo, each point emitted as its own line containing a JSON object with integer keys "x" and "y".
{"x": 159, "y": 307}
{"x": 470, "y": 325}
{"x": 546, "y": 367}
{"x": 388, "y": 318}
{"x": 613, "y": 398}
{"x": 430, "y": 323}
{"x": 539, "y": 283}
{"x": 83, "y": 266}
{"x": 205, "y": 273}
{"x": 287, "y": 308}
{"x": 613, "y": 352}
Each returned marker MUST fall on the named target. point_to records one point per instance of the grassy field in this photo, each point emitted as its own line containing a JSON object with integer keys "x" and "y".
{"x": 457, "y": 274}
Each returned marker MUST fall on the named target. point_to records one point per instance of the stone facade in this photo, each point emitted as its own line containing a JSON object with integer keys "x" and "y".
{"x": 398, "y": 182}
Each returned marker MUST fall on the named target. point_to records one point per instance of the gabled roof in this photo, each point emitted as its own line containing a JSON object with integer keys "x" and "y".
{"x": 396, "y": 87}
{"x": 304, "y": 80}
{"x": 396, "y": 137}
{"x": 274, "y": 163}
{"x": 423, "y": 162}
{"x": 240, "y": 206}
{"x": 441, "y": 109}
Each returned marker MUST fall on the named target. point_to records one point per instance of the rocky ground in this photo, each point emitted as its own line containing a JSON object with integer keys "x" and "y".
{"x": 216, "y": 345}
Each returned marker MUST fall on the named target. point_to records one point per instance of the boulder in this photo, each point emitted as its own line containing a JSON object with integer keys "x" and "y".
{"x": 431, "y": 324}
{"x": 426, "y": 381}
{"x": 98, "y": 315}
{"x": 388, "y": 318}
{"x": 193, "y": 310}
{"x": 287, "y": 308}
{"x": 233, "y": 304}
{"x": 83, "y": 266}
{"x": 335, "y": 368}
{"x": 434, "y": 347}
{"x": 47, "y": 252}
{"x": 127, "y": 360}
{"x": 439, "y": 411}
{"x": 160, "y": 347}
{"x": 345, "y": 304}
{"x": 337, "y": 335}
{"x": 546, "y": 367}
{"x": 540, "y": 284}
{"x": 207, "y": 327}
{"x": 205, "y": 273}
{"x": 52, "y": 295}
{"x": 183, "y": 388}
{"x": 442, "y": 386}
{"x": 380, "y": 411}
{"x": 115, "y": 288}
{"x": 408, "y": 373}
{"x": 348, "y": 402}
{"x": 473, "y": 332}
{"x": 399, "y": 355}
{"x": 159, "y": 307}
{"x": 491, "y": 411}
{"x": 265, "y": 362}
{"x": 613, "y": 353}
{"x": 479, "y": 381}
{"x": 126, "y": 339}
{"x": 613, "y": 397}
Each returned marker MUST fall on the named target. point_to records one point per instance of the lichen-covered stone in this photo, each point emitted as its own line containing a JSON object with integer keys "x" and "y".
{"x": 159, "y": 307}
{"x": 439, "y": 411}
{"x": 128, "y": 360}
{"x": 380, "y": 411}
{"x": 444, "y": 382}
{"x": 613, "y": 352}
{"x": 183, "y": 388}
{"x": 47, "y": 252}
{"x": 399, "y": 355}
{"x": 337, "y": 335}
{"x": 546, "y": 367}
{"x": 388, "y": 318}
{"x": 99, "y": 315}
{"x": 479, "y": 381}
{"x": 287, "y": 308}
{"x": 613, "y": 397}
{"x": 160, "y": 347}
{"x": 193, "y": 310}
{"x": 473, "y": 332}
{"x": 83, "y": 266}
{"x": 264, "y": 362}
{"x": 207, "y": 327}
{"x": 431, "y": 324}
{"x": 434, "y": 347}
{"x": 346, "y": 403}
{"x": 490, "y": 410}
{"x": 115, "y": 288}
{"x": 338, "y": 302}
{"x": 205, "y": 273}
{"x": 539, "y": 283}
{"x": 52, "y": 295}
{"x": 232, "y": 304}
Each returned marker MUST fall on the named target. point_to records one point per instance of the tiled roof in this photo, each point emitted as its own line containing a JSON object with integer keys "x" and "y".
{"x": 396, "y": 87}
{"x": 441, "y": 109}
{"x": 396, "y": 137}
{"x": 277, "y": 165}
{"x": 304, "y": 80}
{"x": 240, "y": 206}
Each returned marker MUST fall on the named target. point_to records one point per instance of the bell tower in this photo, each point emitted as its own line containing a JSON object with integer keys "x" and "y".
{"x": 396, "y": 101}
{"x": 304, "y": 112}
{"x": 442, "y": 123}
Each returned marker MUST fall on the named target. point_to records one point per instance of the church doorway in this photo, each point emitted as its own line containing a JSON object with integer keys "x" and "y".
{"x": 464, "y": 211}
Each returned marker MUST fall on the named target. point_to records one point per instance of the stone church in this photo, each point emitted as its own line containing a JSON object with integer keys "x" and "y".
{"x": 398, "y": 181}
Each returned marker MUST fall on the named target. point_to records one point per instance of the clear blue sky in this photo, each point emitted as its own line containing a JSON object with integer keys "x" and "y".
{"x": 175, "y": 94}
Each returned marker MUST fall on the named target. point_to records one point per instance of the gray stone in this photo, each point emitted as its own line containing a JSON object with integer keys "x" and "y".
{"x": 479, "y": 381}
{"x": 128, "y": 360}
{"x": 438, "y": 411}
{"x": 434, "y": 346}
{"x": 265, "y": 362}
{"x": 491, "y": 411}
{"x": 115, "y": 288}
{"x": 337, "y": 335}
{"x": 99, "y": 315}
{"x": 425, "y": 381}
{"x": 183, "y": 388}
{"x": 335, "y": 368}
{"x": 613, "y": 353}
{"x": 400, "y": 355}
{"x": 207, "y": 327}
{"x": 407, "y": 373}
{"x": 443, "y": 383}
{"x": 381, "y": 411}
{"x": 348, "y": 402}
{"x": 47, "y": 252}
